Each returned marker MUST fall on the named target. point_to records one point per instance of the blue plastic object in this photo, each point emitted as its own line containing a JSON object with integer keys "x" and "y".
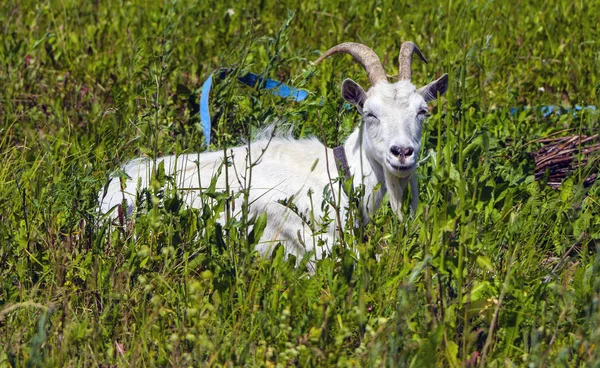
{"x": 278, "y": 88}
{"x": 204, "y": 110}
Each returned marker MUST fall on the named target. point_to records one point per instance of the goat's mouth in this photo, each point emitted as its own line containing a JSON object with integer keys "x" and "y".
{"x": 401, "y": 168}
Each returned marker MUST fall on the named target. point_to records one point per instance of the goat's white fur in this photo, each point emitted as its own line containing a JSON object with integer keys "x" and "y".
{"x": 286, "y": 168}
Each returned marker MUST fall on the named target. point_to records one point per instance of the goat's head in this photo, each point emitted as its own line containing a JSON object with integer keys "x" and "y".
{"x": 392, "y": 112}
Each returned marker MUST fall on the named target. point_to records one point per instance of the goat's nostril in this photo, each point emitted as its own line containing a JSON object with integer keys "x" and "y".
{"x": 400, "y": 151}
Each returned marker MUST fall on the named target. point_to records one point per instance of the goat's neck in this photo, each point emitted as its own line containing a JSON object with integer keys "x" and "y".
{"x": 367, "y": 172}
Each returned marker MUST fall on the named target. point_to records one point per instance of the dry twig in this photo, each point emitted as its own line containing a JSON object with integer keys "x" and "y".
{"x": 558, "y": 157}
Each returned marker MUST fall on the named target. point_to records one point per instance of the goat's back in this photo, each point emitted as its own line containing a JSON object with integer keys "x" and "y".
{"x": 275, "y": 170}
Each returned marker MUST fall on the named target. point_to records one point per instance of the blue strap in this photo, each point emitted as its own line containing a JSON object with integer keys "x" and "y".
{"x": 253, "y": 80}
{"x": 204, "y": 110}
{"x": 550, "y": 109}
{"x": 279, "y": 89}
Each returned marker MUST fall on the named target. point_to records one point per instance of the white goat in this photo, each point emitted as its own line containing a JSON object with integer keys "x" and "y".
{"x": 383, "y": 150}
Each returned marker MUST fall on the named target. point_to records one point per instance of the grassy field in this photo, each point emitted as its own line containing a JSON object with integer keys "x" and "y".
{"x": 497, "y": 269}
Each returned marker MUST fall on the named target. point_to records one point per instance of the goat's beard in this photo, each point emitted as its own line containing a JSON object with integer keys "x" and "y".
{"x": 395, "y": 187}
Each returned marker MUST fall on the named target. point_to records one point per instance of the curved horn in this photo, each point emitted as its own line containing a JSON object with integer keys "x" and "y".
{"x": 364, "y": 55}
{"x": 405, "y": 59}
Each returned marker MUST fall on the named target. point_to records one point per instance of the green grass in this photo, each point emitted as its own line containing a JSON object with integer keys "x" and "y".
{"x": 494, "y": 263}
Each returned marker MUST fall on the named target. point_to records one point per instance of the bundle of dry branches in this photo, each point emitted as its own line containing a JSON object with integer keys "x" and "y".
{"x": 561, "y": 156}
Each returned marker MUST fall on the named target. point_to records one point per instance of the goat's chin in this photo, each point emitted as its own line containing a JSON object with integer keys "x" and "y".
{"x": 403, "y": 174}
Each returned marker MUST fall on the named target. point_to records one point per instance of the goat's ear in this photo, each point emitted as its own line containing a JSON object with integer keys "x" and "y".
{"x": 353, "y": 93}
{"x": 432, "y": 90}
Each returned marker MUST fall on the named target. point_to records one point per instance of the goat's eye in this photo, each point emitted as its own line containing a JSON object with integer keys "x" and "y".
{"x": 370, "y": 115}
{"x": 424, "y": 113}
